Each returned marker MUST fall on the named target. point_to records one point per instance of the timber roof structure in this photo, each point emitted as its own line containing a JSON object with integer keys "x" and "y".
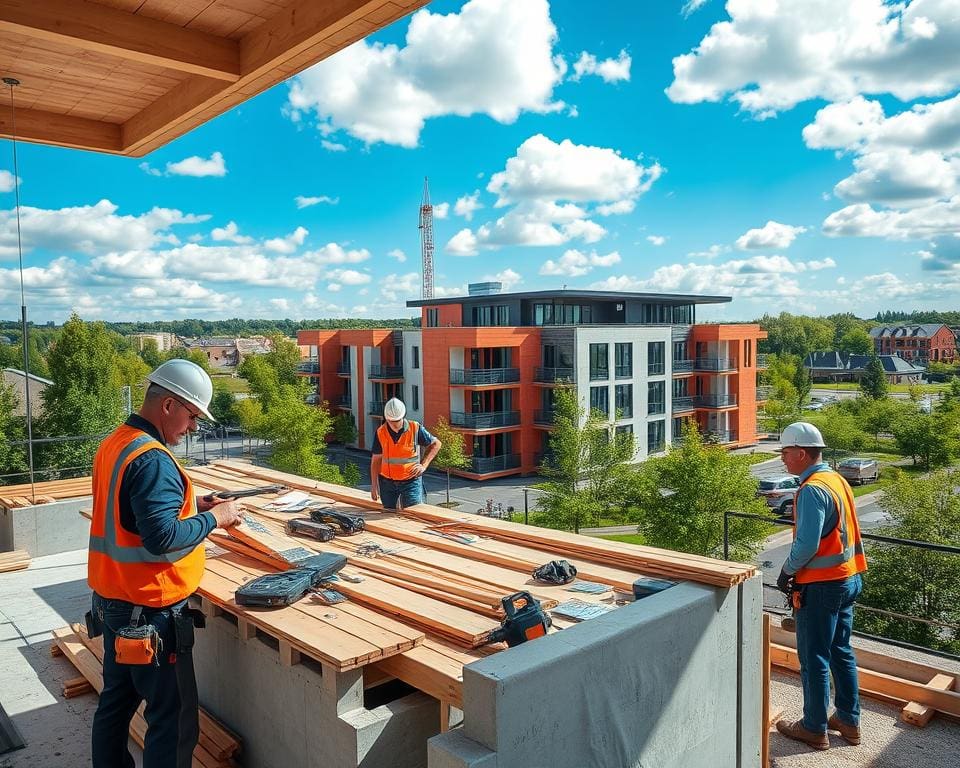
{"x": 128, "y": 76}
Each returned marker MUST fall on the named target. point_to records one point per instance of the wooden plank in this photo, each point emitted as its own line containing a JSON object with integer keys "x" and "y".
{"x": 919, "y": 714}
{"x": 289, "y": 656}
{"x": 429, "y": 671}
{"x": 93, "y": 27}
{"x": 61, "y": 130}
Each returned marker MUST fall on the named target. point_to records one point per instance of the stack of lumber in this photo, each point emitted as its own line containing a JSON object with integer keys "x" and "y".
{"x": 920, "y": 689}
{"x": 16, "y": 560}
{"x": 218, "y": 746}
{"x": 26, "y": 495}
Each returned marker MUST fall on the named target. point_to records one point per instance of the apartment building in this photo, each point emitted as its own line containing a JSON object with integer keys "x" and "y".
{"x": 490, "y": 364}
{"x": 921, "y": 344}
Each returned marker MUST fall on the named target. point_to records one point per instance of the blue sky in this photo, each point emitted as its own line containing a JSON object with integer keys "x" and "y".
{"x": 799, "y": 155}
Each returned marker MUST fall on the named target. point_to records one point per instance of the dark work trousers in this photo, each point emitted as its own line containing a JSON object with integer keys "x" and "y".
{"x": 169, "y": 689}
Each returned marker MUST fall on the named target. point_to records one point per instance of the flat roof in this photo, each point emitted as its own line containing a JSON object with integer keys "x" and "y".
{"x": 675, "y": 298}
{"x": 128, "y": 76}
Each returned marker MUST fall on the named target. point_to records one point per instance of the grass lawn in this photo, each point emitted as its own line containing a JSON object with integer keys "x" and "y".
{"x": 852, "y": 386}
{"x": 231, "y": 384}
{"x": 758, "y": 457}
{"x": 629, "y": 538}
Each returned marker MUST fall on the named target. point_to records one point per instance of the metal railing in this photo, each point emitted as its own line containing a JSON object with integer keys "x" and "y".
{"x": 483, "y": 464}
{"x": 478, "y": 376}
{"x": 764, "y": 392}
{"x": 682, "y": 366}
{"x": 343, "y": 368}
{"x": 656, "y": 369}
{"x": 343, "y": 401}
{"x": 544, "y": 416}
{"x": 656, "y": 408}
{"x": 554, "y": 375}
{"x": 681, "y": 404}
{"x": 762, "y": 361}
{"x": 386, "y": 372}
{"x": 715, "y": 401}
{"x": 487, "y": 420}
{"x": 715, "y": 364}
{"x": 375, "y": 408}
{"x": 309, "y": 366}
{"x": 721, "y": 436}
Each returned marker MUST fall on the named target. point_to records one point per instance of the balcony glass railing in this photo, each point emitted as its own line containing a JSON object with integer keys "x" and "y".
{"x": 386, "y": 371}
{"x": 682, "y": 366}
{"x": 544, "y": 416}
{"x": 343, "y": 401}
{"x": 715, "y": 364}
{"x": 484, "y": 464}
{"x": 681, "y": 404}
{"x": 655, "y": 369}
{"x": 715, "y": 401}
{"x": 343, "y": 368}
{"x": 375, "y": 408}
{"x": 481, "y": 420}
{"x": 308, "y": 366}
{"x": 764, "y": 392}
{"x": 720, "y": 436}
{"x": 762, "y": 361}
{"x": 656, "y": 407}
{"x": 554, "y": 375}
{"x": 479, "y": 376}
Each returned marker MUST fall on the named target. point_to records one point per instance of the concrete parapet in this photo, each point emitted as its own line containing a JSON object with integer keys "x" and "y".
{"x": 671, "y": 681}
{"x": 46, "y": 529}
{"x": 305, "y": 714}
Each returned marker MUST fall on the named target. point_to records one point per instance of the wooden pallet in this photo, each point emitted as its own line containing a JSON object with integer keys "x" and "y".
{"x": 46, "y": 492}
{"x": 16, "y": 560}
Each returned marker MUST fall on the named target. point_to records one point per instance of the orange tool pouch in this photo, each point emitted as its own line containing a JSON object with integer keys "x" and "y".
{"x": 796, "y": 599}
{"x": 136, "y": 644}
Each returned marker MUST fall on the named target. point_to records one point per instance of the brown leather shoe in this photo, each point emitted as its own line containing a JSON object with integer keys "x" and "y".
{"x": 797, "y": 732}
{"x": 849, "y": 733}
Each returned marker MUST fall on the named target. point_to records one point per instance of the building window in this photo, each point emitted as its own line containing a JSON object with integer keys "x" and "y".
{"x": 433, "y": 318}
{"x": 625, "y": 433}
{"x": 415, "y": 397}
{"x": 655, "y": 397}
{"x": 599, "y": 361}
{"x": 623, "y": 357}
{"x": 562, "y": 314}
{"x": 623, "y": 401}
{"x": 416, "y": 357}
{"x": 600, "y": 400}
{"x": 655, "y": 358}
{"x": 681, "y": 387}
{"x": 656, "y": 436}
{"x": 680, "y": 350}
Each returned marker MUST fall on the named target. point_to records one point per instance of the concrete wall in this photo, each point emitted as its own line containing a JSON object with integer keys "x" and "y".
{"x": 45, "y": 529}
{"x": 672, "y": 681}
{"x": 299, "y": 716}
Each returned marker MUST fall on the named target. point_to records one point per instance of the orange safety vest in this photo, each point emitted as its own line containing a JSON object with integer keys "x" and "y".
{"x": 840, "y": 554}
{"x": 119, "y": 566}
{"x": 400, "y": 456}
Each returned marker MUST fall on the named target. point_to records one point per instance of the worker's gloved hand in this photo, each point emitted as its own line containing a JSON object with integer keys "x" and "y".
{"x": 785, "y": 582}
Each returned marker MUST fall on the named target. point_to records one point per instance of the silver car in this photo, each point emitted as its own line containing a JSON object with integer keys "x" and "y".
{"x": 779, "y": 492}
{"x": 858, "y": 471}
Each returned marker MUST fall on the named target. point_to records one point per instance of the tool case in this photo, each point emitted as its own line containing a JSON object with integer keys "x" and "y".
{"x": 286, "y": 587}
{"x": 303, "y": 526}
{"x": 347, "y": 524}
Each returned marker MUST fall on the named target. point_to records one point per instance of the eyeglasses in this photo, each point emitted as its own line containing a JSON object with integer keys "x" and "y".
{"x": 194, "y": 415}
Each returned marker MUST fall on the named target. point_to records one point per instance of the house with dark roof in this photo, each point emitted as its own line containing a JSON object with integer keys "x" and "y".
{"x": 922, "y": 343}
{"x": 843, "y": 366}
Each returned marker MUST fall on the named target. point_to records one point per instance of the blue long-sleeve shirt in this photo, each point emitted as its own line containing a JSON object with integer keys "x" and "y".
{"x": 151, "y": 495}
{"x": 815, "y": 514}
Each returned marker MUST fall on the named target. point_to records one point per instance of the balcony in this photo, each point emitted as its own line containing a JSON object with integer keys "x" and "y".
{"x": 762, "y": 361}
{"x": 720, "y": 436}
{"x": 484, "y": 420}
{"x": 554, "y": 375}
{"x": 311, "y": 365}
{"x": 375, "y": 408}
{"x": 484, "y": 464}
{"x": 682, "y": 366}
{"x": 482, "y": 376}
{"x": 715, "y": 401}
{"x": 715, "y": 364}
{"x": 763, "y": 393}
{"x": 544, "y": 417}
{"x": 386, "y": 371}
{"x": 343, "y": 368}
{"x": 656, "y": 408}
{"x": 343, "y": 401}
{"x": 656, "y": 369}
{"x": 681, "y": 404}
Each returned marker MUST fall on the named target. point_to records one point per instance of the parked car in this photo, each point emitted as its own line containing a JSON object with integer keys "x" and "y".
{"x": 779, "y": 492}
{"x": 859, "y": 471}
{"x": 814, "y": 406}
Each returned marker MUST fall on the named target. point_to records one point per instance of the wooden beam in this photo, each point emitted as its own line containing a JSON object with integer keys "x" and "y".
{"x": 94, "y": 27}
{"x": 61, "y": 130}
{"x": 919, "y": 714}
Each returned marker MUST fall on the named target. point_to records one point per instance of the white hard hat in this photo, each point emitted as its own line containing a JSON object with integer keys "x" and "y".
{"x": 801, "y": 434}
{"x": 394, "y": 409}
{"x": 186, "y": 380}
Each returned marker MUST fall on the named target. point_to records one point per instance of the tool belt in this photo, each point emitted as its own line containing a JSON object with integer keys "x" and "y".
{"x": 135, "y": 644}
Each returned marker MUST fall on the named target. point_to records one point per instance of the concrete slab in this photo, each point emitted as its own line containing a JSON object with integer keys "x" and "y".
{"x": 45, "y": 529}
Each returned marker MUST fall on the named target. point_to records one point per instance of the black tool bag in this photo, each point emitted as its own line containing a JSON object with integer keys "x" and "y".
{"x": 348, "y": 524}
{"x": 556, "y": 572}
{"x": 286, "y": 587}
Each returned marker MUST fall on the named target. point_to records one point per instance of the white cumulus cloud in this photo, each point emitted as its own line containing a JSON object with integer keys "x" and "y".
{"x": 305, "y": 202}
{"x": 771, "y": 235}
{"x": 657, "y": 240}
{"x": 574, "y": 263}
{"x": 230, "y": 233}
{"x": 468, "y": 205}
{"x": 288, "y": 244}
{"x": 199, "y": 166}
{"x": 609, "y": 70}
{"x": 397, "y": 254}
{"x": 7, "y": 181}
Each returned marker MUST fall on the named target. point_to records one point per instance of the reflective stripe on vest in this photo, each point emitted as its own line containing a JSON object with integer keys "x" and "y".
{"x": 399, "y": 457}
{"x": 829, "y": 565}
{"x": 107, "y": 544}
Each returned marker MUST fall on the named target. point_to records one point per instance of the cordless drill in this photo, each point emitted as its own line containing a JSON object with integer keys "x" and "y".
{"x": 525, "y": 620}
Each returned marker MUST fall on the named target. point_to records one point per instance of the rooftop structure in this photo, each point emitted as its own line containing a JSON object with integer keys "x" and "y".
{"x": 16, "y": 379}
{"x": 843, "y": 366}
{"x": 927, "y": 342}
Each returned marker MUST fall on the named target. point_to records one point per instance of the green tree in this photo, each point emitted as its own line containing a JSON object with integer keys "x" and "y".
{"x": 351, "y": 475}
{"x": 802, "y": 382}
{"x": 84, "y": 398}
{"x": 912, "y": 581}
{"x": 931, "y": 439}
{"x": 840, "y": 429}
{"x": 452, "y": 454}
{"x": 223, "y": 404}
{"x": 679, "y": 500}
{"x": 283, "y": 357}
{"x": 150, "y": 354}
{"x": 879, "y": 416}
{"x": 778, "y": 413}
{"x": 344, "y": 429}
{"x": 780, "y": 375}
{"x": 585, "y": 469}
{"x": 129, "y": 370}
{"x": 13, "y": 458}
{"x": 856, "y": 341}
{"x": 796, "y": 334}
{"x": 873, "y": 382}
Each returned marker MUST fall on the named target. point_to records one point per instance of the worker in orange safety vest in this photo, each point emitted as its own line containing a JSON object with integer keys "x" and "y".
{"x": 396, "y": 466}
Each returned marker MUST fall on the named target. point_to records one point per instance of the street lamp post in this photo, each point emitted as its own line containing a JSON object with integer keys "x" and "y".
{"x": 526, "y": 505}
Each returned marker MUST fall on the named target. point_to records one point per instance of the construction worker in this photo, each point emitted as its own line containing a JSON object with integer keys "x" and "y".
{"x": 146, "y": 558}
{"x": 822, "y": 577}
{"x": 396, "y": 467}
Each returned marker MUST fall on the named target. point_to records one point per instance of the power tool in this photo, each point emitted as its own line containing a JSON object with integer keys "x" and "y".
{"x": 525, "y": 620}
{"x": 304, "y": 526}
{"x": 348, "y": 524}
{"x": 240, "y": 494}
